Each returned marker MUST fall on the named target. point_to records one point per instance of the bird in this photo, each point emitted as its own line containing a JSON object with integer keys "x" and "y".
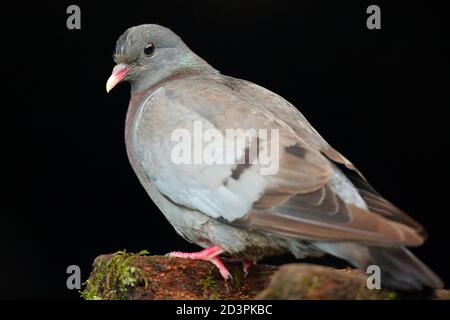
{"x": 316, "y": 202}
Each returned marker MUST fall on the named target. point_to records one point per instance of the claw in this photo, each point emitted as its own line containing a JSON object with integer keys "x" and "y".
{"x": 210, "y": 254}
{"x": 226, "y": 275}
{"x": 246, "y": 265}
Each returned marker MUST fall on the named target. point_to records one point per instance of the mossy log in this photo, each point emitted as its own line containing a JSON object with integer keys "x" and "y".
{"x": 140, "y": 277}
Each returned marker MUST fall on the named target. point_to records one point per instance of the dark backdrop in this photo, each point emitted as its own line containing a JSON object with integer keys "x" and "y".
{"x": 380, "y": 97}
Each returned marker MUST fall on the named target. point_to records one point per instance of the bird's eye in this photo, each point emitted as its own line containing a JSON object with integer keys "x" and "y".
{"x": 149, "y": 48}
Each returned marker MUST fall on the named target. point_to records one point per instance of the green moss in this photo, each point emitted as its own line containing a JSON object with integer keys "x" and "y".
{"x": 365, "y": 294}
{"x": 309, "y": 283}
{"x": 276, "y": 293}
{"x": 208, "y": 283}
{"x": 237, "y": 278}
{"x": 112, "y": 279}
{"x": 360, "y": 292}
{"x": 391, "y": 296}
{"x": 215, "y": 296}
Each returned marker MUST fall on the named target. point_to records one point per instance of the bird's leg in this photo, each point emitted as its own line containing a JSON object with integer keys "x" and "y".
{"x": 210, "y": 254}
{"x": 205, "y": 254}
{"x": 246, "y": 265}
{"x": 226, "y": 275}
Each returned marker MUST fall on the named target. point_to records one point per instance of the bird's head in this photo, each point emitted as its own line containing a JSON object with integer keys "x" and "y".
{"x": 146, "y": 53}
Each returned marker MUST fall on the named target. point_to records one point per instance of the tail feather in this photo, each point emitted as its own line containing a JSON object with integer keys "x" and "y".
{"x": 400, "y": 269}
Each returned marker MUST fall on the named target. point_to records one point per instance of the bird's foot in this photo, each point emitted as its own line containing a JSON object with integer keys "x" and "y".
{"x": 246, "y": 264}
{"x": 210, "y": 254}
{"x": 225, "y": 273}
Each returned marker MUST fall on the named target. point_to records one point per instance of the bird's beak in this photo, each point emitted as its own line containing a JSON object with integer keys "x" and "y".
{"x": 119, "y": 72}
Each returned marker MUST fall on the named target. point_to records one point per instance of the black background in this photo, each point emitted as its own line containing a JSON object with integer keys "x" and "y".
{"x": 378, "y": 96}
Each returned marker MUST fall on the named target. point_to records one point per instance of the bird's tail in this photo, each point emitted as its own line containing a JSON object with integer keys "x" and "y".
{"x": 400, "y": 269}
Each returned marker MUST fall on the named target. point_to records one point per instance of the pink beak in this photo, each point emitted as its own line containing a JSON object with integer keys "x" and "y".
{"x": 119, "y": 72}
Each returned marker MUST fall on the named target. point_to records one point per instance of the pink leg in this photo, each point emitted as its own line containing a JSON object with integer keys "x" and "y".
{"x": 210, "y": 254}
{"x": 222, "y": 269}
{"x": 246, "y": 265}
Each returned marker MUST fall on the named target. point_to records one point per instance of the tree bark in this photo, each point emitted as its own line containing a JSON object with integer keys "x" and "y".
{"x": 139, "y": 277}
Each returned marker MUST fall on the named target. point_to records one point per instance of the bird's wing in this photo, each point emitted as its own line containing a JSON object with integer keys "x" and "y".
{"x": 293, "y": 117}
{"x": 308, "y": 197}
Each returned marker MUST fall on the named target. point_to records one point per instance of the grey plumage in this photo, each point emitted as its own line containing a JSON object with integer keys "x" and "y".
{"x": 317, "y": 202}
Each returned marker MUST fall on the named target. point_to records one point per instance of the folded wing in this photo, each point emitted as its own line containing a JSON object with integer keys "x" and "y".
{"x": 316, "y": 193}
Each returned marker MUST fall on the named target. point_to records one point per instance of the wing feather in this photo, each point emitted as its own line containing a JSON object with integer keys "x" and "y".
{"x": 308, "y": 198}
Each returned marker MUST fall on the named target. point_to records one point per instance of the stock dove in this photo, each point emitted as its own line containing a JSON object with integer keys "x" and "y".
{"x": 313, "y": 201}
